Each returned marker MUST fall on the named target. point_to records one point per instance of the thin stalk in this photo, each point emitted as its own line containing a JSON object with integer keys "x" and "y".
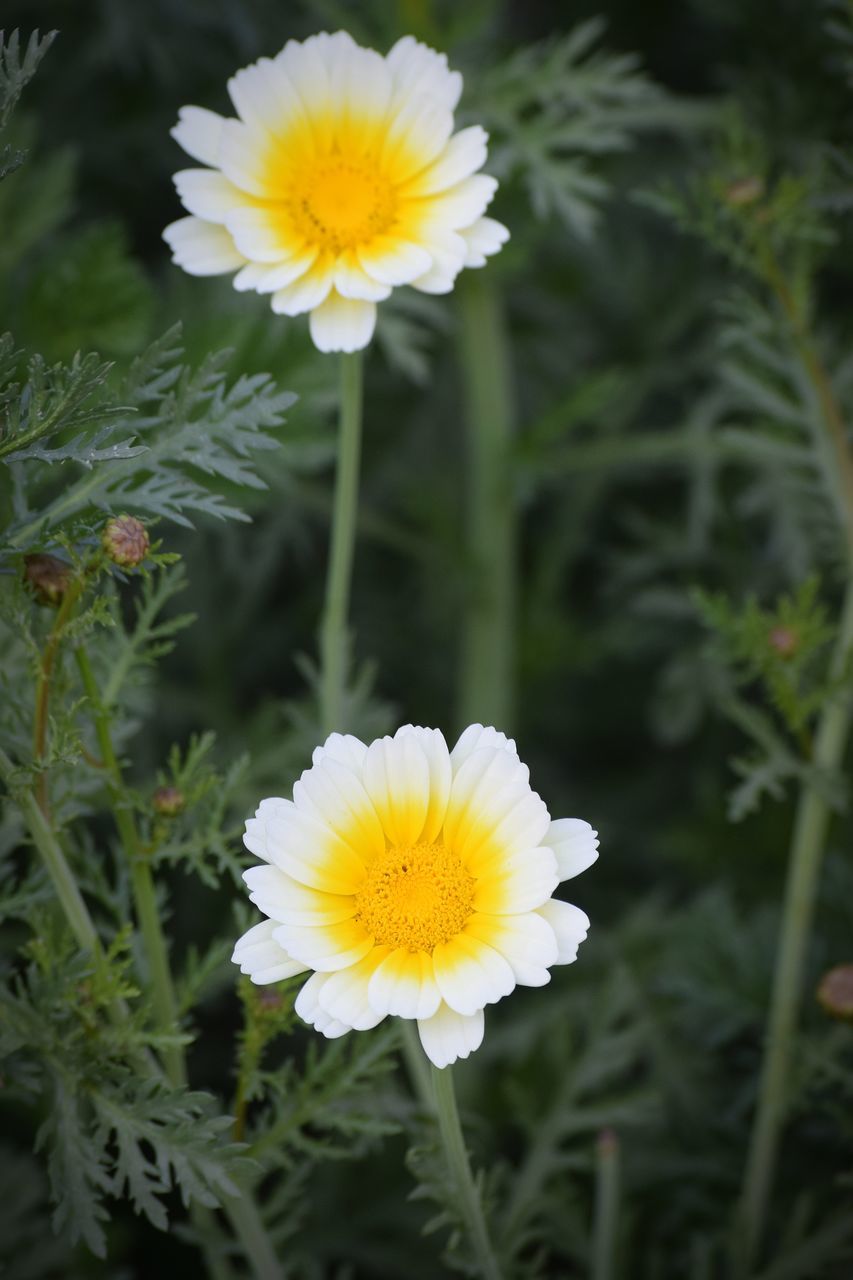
{"x": 43, "y": 685}
{"x": 606, "y": 1224}
{"x": 813, "y": 814}
{"x": 486, "y": 676}
{"x": 334, "y": 638}
{"x": 165, "y": 1005}
{"x": 807, "y": 845}
{"x": 416, "y": 1065}
{"x": 241, "y": 1211}
{"x": 462, "y": 1181}
{"x": 69, "y": 895}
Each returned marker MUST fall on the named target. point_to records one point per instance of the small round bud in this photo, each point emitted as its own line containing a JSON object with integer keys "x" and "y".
{"x": 785, "y": 641}
{"x": 835, "y": 992}
{"x": 744, "y": 192}
{"x": 269, "y": 1001}
{"x": 168, "y": 801}
{"x": 48, "y": 578}
{"x": 125, "y": 540}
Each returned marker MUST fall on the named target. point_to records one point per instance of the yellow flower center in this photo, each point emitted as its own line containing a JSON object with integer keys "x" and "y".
{"x": 415, "y": 896}
{"x": 340, "y": 203}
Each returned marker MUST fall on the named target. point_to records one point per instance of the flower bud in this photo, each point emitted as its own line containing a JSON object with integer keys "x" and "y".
{"x": 48, "y": 578}
{"x": 125, "y": 540}
{"x": 168, "y": 801}
{"x": 835, "y": 992}
{"x": 785, "y": 641}
{"x": 744, "y": 191}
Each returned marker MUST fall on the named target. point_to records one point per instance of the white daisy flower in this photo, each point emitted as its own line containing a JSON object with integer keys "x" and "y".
{"x": 414, "y": 881}
{"x": 340, "y": 179}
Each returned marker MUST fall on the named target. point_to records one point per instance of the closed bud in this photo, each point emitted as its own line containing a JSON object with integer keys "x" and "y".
{"x": 744, "y": 192}
{"x": 48, "y": 577}
{"x": 835, "y": 992}
{"x": 785, "y": 641}
{"x": 125, "y": 540}
{"x": 168, "y": 801}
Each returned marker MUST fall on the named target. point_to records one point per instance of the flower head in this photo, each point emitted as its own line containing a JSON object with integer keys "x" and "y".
{"x": 414, "y": 881}
{"x": 341, "y": 178}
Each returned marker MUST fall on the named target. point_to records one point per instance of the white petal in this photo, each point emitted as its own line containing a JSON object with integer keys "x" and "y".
{"x": 287, "y": 901}
{"x": 392, "y": 261}
{"x": 460, "y": 206}
{"x": 417, "y": 69}
{"x": 307, "y": 292}
{"x": 208, "y": 194}
{"x": 404, "y": 985}
{"x": 259, "y": 236}
{"x": 521, "y": 883}
{"x": 570, "y": 926}
{"x": 575, "y": 845}
{"x": 343, "y": 996}
{"x": 325, "y": 947}
{"x": 471, "y": 974}
{"x": 397, "y": 777}
{"x": 305, "y": 67}
{"x": 484, "y": 238}
{"x": 305, "y": 848}
{"x": 487, "y": 787}
{"x": 244, "y": 156}
{"x": 464, "y": 154}
{"x": 202, "y": 248}
{"x": 352, "y": 281}
{"x": 199, "y": 131}
{"x": 447, "y": 1035}
{"x": 262, "y": 958}
{"x": 265, "y": 98}
{"x": 526, "y": 941}
{"x": 342, "y": 324}
{"x": 477, "y": 735}
{"x": 343, "y": 747}
{"x": 416, "y": 136}
{"x": 437, "y": 755}
{"x": 333, "y": 794}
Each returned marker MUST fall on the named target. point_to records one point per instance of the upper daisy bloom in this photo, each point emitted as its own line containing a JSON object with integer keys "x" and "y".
{"x": 341, "y": 178}
{"x": 414, "y": 881}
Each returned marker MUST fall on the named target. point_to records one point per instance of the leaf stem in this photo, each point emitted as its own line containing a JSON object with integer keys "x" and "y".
{"x": 165, "y": 1005}
{"x": 807, "y": 845}
{"x": 812, "y": 817}
{"x": 334, "y": 640}
{"x": 240, "y": 1210}
{"x": 43, "y": 837}
{"x": 43, "y": 685}
{"x": 486, "y": 676}
{"x": 459, "y": 1169}
{"x": 417, "y": 1065}
{"x": 605, "y": 1227}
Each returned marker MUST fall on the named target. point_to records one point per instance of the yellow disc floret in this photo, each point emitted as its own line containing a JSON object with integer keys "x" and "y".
{"x": 339, "y": 203}
{"x": 416, "y": 897}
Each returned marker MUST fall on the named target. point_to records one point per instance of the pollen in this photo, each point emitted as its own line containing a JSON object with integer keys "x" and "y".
{"x": 416, "y": 897}
{"x": 342, "y": 203}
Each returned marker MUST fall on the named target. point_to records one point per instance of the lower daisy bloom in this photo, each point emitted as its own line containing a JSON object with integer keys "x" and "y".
{"x": 415, "y": 882}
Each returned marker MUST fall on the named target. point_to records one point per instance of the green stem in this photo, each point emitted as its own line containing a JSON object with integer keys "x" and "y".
{"x": 334, "y": 640}
{"x": 165, "y": 1005}
{"x": 246, "y": 1221}
{"x": 807, "y": 845}
{"x": 69, "y": 895}
{"x": 486, "y": 676}
{"x": 417, "y": 1065}
{"x": 605, "y": 1229}
{"x": 463, "y": 1186}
